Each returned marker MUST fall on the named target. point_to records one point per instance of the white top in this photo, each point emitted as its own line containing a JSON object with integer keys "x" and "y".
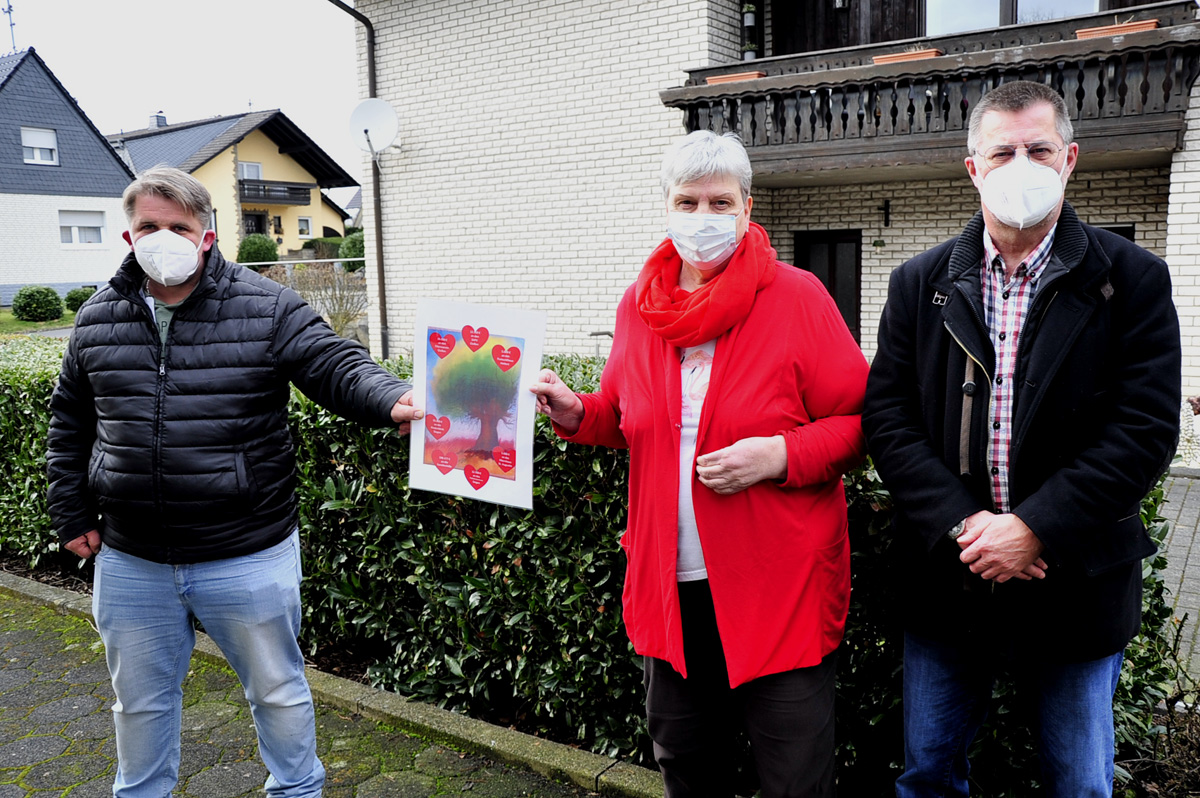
{"x": 695, "y": 364}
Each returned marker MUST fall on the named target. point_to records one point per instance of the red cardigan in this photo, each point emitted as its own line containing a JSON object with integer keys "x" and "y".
{"x": 777, "y": 554}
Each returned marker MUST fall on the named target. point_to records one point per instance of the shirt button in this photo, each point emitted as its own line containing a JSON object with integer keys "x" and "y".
{"x": 1003, "y": 336}
{"x": 995, "y": 471}
{"x": 999, "y": 380}
{"x": 1005, "y": 295}
{"x": 995, "y": 425}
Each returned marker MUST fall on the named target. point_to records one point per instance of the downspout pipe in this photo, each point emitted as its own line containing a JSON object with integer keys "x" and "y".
{"x": 375, "y": 183}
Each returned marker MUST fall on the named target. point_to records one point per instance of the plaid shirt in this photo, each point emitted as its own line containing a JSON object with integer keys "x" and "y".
{"x": 1006, "y": 303}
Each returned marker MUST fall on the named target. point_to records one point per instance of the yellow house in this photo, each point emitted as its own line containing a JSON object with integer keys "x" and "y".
{"x": 265, "y": 175}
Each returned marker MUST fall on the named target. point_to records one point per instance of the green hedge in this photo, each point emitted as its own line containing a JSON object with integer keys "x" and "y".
{"x": 515, "y": 616}
{"x": 37, "y": 303}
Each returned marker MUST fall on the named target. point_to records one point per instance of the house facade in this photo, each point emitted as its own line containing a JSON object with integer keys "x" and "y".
{"x": 60, "y": 185}
{"x": 264, "y": 174}
{"x": 530, "y": 174}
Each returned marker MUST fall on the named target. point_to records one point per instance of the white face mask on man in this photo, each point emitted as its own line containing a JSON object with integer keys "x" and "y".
{"x": 705, "y": 240}
{"x": 166, "y": 257}
{"x": 1021, "y": 194}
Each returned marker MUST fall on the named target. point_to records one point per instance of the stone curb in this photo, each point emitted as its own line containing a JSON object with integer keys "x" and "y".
{"x": 553, "y": 760}
{"x": 1184, "y": 471}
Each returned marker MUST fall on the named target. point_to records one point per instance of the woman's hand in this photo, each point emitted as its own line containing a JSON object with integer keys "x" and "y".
{"x": 556, "y": 400}
{"x": 739, "y": 466}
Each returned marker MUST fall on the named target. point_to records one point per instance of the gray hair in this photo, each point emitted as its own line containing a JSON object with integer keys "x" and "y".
{"x": 703, "y": 154}
{"x": 1017, "y": 96}
{"x": 171, "y": 184}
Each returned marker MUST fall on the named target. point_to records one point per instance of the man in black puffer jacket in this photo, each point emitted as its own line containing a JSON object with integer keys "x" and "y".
{"x": 170, "y": 460}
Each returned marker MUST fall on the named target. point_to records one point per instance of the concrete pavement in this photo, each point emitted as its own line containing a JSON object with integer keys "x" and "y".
{"x": 56, "y": 736}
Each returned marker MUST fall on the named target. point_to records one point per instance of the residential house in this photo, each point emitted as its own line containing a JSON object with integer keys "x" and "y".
{"x": 528, "y": 167}
{"x": 265, "y": 175}
{"x": 60, "y": 185}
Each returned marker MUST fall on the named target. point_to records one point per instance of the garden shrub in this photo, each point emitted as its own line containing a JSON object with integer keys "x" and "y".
{"x": 77, "y": 296}
{"x": 37, "y": 303}
{"x": 257, "y": 248}
{"x": 353, "y": 247}
{"x": 515, "y": 616}
{"x": 324, "y": 248}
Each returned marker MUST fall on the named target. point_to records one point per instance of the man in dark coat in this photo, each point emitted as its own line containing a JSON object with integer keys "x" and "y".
{"x": 1024, "y": 397}
{"x": 170, "y": 460}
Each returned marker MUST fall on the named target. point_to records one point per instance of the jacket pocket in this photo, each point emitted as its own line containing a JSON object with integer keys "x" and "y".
{"x": 1124, "y": 542}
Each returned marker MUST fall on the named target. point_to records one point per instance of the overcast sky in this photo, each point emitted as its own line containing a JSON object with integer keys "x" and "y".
{"x": 123, "y": 60}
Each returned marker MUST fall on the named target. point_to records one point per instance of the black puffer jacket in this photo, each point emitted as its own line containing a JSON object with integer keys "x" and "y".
{"x": 181, "y": 453}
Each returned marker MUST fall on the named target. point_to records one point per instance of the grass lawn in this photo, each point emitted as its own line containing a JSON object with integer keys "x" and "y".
{"x": 13, "y": 326}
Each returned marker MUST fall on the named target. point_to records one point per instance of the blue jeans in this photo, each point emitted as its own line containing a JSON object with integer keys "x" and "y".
{"x": 946, "y": 692}
{"x": 250, "y": 606}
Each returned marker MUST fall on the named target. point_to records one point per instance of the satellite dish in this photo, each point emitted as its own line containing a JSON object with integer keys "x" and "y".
{"x": 373, "y": 126}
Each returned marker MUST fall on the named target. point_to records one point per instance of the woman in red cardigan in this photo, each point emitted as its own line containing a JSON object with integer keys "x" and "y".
{"x": 737, "y": 389}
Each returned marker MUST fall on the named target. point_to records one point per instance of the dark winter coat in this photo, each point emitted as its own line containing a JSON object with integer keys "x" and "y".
{"x": 181, "y": 453}
{"x": 1094, "y": 425}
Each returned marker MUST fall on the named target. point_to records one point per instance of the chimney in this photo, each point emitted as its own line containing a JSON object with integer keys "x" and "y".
{"x": 158, "y": 120}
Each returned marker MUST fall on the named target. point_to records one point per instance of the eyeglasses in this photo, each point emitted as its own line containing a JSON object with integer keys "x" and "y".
{"x": 1040, "y": 152}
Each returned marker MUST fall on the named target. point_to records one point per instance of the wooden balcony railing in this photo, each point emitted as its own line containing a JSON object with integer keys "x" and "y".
{"x": 275, "y": 192}
{"x": 1123, "y": 95}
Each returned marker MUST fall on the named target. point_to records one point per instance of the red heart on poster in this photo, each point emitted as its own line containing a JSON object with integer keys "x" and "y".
{"x": 505, "y": 358}
{"x": 437, "y": 426}
{"x": 442, "y": 344}
{"x": 475, "y": 338}
{"x": 444, "y": 461}
{"x": 478, "y": 477}
{"x": 505, "y": 458}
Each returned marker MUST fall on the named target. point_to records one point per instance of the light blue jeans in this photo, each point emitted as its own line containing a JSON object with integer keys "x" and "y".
{"x": 250, "y": 606}
{"x": 946, "y": 693}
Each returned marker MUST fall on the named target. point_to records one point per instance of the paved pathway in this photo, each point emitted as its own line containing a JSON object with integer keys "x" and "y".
{"x": 1182, "y": 509}
{"x": 56, "y": 730}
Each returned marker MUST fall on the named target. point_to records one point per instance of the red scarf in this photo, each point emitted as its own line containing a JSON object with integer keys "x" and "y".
{"x": 690, "y": 318}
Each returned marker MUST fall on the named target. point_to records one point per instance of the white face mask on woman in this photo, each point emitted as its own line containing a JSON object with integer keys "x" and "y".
{"x": 705, "y": 240}
{"x": 166, "y": 257}
{"x": 1022, "y": 193}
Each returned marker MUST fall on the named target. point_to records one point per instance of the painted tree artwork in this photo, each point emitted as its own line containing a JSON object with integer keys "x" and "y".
{"x": 473, "y": 380}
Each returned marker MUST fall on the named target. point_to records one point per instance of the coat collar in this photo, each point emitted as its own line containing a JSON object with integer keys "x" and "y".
{"x": 1070, "y": 246}
{"x": 130, "y": 277}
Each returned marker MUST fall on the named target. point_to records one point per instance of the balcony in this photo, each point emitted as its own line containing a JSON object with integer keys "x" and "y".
{"x": 275, "y": 192}
{"x": 836, "y": 117}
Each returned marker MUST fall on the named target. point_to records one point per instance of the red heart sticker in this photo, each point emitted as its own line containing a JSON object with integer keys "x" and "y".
{"x": 437, "y": 426}
{"x": 442, "y": 344}
{"x": 478, "y": 477}
{"x": 474, "y": 338}
{"x": 505, "y": 358}
{"x": 505, "y": 458}
{"x": 444, "y": 461}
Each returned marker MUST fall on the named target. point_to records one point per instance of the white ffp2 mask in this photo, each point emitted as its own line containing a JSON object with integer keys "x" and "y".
{"x": 166, "y": 257}
{"x": 1021, "y": 194}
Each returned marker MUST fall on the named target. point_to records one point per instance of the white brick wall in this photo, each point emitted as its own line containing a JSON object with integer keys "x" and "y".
{"x": 1183, "y": 243}
{"x": 30, "y": 249}
{"x": 530, "y": 137}
{"x": 926, "y": 213}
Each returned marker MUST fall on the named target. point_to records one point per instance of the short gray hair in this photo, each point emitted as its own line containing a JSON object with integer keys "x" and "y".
{"x": 1017, "y": 96}
{"x": 170, "y": 184}
{"x": 703, "y": 154}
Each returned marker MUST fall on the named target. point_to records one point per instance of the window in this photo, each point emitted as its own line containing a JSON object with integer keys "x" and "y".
{"x": 39, "y": 146}
{"x": 81, "y": 227}
{"x": 1125, "y": 230}
{"x": 835, "y": 257}
{"x": 954, "y": 16}
{"x": 248, "y": 170}
{"x": 305, "y": 226}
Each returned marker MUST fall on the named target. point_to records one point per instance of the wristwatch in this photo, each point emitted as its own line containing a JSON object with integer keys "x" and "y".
{"x": 956, "y": 531}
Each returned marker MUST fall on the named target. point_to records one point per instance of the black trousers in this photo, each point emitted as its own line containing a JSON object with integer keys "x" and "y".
{"x": 694, "y": 722}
